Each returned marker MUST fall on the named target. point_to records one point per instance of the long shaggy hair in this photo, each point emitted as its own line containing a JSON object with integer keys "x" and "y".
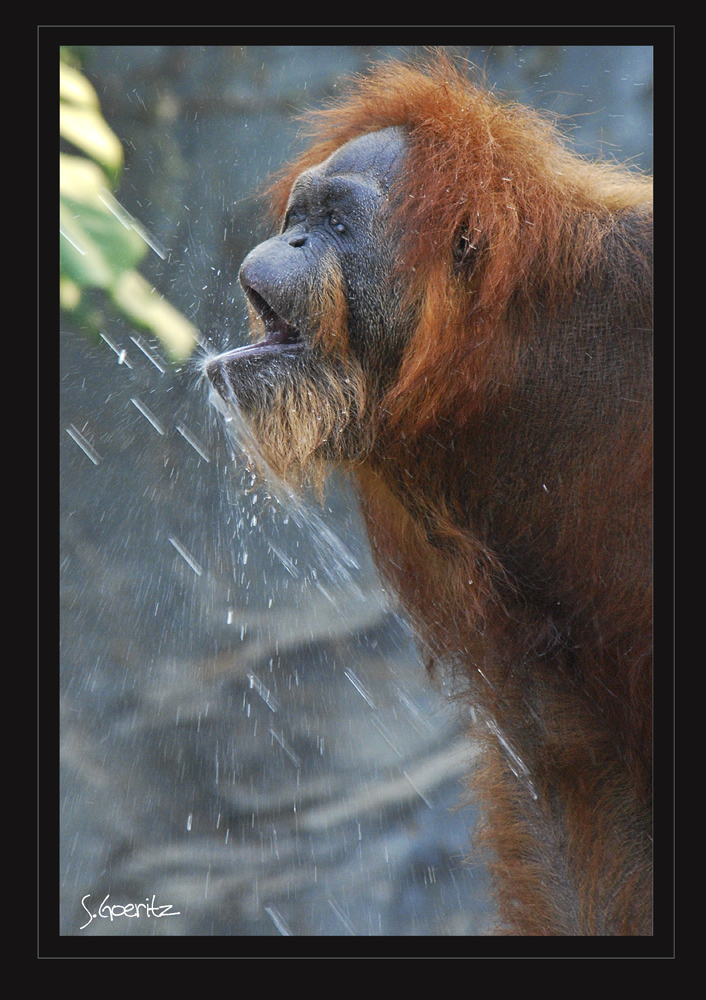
{"x": 504, "y": 468}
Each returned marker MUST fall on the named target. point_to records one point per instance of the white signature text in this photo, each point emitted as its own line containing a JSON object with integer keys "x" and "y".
{"x": 113, "y": 910}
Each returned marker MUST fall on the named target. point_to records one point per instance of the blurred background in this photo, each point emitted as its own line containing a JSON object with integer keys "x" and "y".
{"x": 248, "y": 735}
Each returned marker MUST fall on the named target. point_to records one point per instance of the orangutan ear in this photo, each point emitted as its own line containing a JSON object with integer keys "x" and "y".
{"x": 468, "y": 245}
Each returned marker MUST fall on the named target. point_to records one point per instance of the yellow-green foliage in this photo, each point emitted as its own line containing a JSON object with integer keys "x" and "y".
{"x": 100, "y": 243}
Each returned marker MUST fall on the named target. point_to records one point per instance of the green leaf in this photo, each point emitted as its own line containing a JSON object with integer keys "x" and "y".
{"x": 97, "y": 245}
{"x": 81, "y": 122}
{"x": 100, "y": 243}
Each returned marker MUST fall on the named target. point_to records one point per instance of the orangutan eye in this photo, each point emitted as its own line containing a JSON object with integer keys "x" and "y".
{"x": 335, "y": 222}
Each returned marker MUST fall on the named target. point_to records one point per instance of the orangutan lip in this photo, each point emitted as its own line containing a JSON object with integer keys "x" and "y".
{"x": 280, "y": 338}
{"x": 222, "y": 370}
{"x": 278, "y": 332}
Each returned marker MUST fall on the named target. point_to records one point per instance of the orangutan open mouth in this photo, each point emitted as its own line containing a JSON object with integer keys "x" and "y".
{"x": 280, "y": 338}
{"x": 278, "y": 332}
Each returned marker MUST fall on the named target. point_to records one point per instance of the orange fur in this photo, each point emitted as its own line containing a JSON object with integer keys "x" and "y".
{"x": 506, "y": 476}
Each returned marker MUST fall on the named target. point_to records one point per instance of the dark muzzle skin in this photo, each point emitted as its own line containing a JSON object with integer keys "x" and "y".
{"x": 232, "y": 371}
{"x": 333, "y": 222}
{"x": 225, "y": 370}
